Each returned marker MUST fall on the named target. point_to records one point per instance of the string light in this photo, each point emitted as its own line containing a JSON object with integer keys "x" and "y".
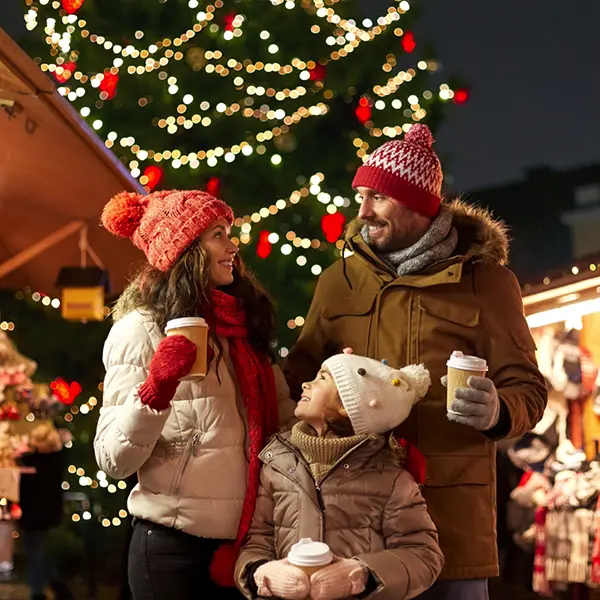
{"x": 156, "y": 57}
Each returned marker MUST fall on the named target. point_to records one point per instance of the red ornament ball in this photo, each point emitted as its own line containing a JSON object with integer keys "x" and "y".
{"x": 66, "y": 72}
{"x": 333, "y": 226}
{"x": 461, "y": 96}
{"x": 363, "y": 112}
{"x": 228, "y": 21}
{"x": 155, "y": 175}
{"x": 109, "y": 84}
{"x": 408, "y": 41}
{"x": 264, "y": 247}
{"x": 318, "y": 73}
{"x": 72, "y": 6}
{"x": 213, "y": 186}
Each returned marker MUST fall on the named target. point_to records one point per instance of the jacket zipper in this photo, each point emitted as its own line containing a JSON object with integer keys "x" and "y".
{"x": 320, "y": 503}
{"x": 188, "y": 454}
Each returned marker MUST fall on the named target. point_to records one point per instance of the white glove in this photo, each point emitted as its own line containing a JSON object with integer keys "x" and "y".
{"x": 477, "y": 406}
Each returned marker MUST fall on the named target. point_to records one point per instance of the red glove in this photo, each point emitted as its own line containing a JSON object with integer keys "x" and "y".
{"x": 173, "y": 359}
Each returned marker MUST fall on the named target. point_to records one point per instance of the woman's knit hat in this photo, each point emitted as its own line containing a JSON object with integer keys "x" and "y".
{"x": 407, "y": 170}
{"x": 376, "y": 397}
{"x": 163, "y": 225}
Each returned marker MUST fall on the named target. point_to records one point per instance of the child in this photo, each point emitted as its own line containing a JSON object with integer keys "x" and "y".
{"x": 335, "y": 477}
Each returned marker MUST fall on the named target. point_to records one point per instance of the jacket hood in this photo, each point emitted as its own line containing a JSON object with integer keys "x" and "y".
{"x": 481, "y": 237}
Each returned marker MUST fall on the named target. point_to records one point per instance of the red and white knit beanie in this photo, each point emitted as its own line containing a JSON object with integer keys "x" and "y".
{"x": 163, "y": 225}
{"x": 407, "y": 170}
{"x": 376, "y": 397}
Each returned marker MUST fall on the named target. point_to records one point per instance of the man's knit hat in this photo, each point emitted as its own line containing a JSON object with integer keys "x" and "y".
{"x": 163, "y": 225}
{"x": 376, "y": 397}
{"x": 407, "y": 170}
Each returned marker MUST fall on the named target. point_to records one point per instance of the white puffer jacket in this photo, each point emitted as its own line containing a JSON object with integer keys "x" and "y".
{"x": 191, "y": 459}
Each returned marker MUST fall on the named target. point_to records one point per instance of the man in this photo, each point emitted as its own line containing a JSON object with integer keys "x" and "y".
{"x": 426, "y": 278}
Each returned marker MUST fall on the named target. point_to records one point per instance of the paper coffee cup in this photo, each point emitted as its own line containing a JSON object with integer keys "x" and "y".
{"x": 194, "y": 329}
{"x": 460, "y": 368}
{"x": 310, "y": 556}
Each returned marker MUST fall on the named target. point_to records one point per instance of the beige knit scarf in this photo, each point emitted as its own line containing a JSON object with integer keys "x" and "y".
{"x": 321, "y": 453}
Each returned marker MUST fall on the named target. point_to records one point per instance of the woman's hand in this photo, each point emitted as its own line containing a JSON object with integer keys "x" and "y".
{"x": 280, "y": 579}
{"x": 173, "y": 359}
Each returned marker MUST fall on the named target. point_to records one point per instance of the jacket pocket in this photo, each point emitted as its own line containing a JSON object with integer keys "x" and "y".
{"x": 443, "y": 327}
{"x": 349, "y": 321}
{"x": 186, "y": 458}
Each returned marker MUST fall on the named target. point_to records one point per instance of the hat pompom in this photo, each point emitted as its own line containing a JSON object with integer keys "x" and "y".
{"x": 122, "y": 214}
{"x": 418, "y": 378}
{"x": 419, "y": 134}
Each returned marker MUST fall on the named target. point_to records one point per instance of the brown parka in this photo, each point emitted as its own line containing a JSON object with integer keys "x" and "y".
{"x": 470, "y": 302}
{"x": 367, "y": 507}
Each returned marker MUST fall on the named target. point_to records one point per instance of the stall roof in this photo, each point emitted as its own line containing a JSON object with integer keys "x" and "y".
{"x": 55, "y": 176}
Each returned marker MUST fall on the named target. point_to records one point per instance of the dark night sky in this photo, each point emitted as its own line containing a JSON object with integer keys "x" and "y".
{"x": 533, "y": 66}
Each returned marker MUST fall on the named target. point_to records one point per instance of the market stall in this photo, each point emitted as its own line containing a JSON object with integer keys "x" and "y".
{"x": 554, "y": 511}
{"x": 55, "y": 177}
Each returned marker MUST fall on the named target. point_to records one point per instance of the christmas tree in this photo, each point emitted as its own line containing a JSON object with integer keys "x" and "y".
{"x": 270, "y": 104}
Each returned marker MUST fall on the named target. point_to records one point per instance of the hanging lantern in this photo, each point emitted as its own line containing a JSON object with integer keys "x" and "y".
{"x": 82, "y": 293}
{"x": 333, "y": 226}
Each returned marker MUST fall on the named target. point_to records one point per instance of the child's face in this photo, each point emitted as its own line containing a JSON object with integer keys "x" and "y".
{"x": 319, "y": 397}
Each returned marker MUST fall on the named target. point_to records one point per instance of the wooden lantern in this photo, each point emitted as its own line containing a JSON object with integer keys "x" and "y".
{"x": 82, "y": 293}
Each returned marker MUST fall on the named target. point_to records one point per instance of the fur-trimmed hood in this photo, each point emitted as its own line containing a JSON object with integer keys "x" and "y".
{"x": 481, "y": 237}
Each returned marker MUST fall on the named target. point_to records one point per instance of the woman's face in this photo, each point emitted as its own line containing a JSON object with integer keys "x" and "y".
{"x": 221, "y": 252}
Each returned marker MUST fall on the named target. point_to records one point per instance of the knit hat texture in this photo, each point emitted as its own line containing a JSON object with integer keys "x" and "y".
{"x": 376, "y": 397}
{"x": 163, "y": 225}
{"x": 407, "y": 170}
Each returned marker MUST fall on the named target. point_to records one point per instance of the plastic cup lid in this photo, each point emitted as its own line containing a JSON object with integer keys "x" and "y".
{"x": 461, "y": 361}
{"x": 307, "y": 553}
{"x": 185, "y": 322}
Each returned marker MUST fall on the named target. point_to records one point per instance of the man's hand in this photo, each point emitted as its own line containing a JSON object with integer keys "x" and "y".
{"x": 477, "y": 406}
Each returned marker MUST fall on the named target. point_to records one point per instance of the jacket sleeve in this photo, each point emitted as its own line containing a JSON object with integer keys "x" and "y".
{"x": 312, "y": 348}
{"x": 260, "y": 542}
{"x": 127, "y": 429}
{"x": 509, "y": 349}
{"x": 412, "y": 560}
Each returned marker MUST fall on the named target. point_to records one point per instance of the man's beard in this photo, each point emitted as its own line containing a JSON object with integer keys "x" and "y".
{"x": 376, "y": 244}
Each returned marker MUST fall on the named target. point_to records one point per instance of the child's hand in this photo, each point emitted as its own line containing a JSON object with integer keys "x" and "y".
{"x": 280, "y": 579}
{"x": 345, "y": 577}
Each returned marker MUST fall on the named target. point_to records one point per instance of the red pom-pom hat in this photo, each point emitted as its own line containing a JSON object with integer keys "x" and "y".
{"x": 163, "y": 224}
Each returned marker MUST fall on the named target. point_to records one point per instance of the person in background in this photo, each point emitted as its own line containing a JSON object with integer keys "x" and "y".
{"x": 194, "y": 444}
{"x": 341, "y": 477}
{"x": 41, "y": 503}
{"x": 425, "y": 278}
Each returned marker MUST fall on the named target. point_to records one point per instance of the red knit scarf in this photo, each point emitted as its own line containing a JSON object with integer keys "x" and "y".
{"x": 256, "y": 381}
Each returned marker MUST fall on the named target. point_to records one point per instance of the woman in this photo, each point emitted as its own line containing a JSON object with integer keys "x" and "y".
{"x": 194, "y": 444}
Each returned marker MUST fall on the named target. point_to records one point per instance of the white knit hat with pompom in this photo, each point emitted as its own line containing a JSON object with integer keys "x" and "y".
{"x": 376, "y": 397}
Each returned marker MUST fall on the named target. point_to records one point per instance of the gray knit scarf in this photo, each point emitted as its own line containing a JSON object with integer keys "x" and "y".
{"x": 438, "y": 243}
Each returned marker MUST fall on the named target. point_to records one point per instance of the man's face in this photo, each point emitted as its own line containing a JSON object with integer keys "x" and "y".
{"x": 389, "y": 224}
